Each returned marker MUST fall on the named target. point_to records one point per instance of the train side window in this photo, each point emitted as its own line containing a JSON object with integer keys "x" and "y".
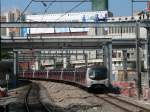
{"x": 91, "y": 74}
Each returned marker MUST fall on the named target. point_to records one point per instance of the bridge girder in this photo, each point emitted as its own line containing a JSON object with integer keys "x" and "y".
{"x": 143, "y": 23}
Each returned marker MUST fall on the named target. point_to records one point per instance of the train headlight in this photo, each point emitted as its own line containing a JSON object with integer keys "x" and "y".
{"x": 92, "y": 76}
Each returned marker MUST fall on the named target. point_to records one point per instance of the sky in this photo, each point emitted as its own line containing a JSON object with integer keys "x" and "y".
{"x": 118, "y": 7}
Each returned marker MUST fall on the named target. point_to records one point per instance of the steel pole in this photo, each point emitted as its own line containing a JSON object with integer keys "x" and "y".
{"x": 132, "y": 8}
{"x": 0, "y": 46}
{"x": 148, "y": 55}
{"x": 0, "y": 33}
{"x": 138, "y": 62}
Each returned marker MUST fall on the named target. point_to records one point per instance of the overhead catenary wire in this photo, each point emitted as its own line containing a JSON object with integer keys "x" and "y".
{"x": 50, "y": 4}
{"x": 71, "y": 9}
{"x": 62, "y": 0}
{"x": 45, "y": 11}
{"x": 24, "y": 10}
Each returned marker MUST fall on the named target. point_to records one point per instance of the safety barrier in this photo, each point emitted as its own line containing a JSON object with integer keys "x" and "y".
{"x": 129, "y": 89}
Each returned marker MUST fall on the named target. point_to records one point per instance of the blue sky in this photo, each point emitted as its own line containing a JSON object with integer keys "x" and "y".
{"x": 118, "y": 7}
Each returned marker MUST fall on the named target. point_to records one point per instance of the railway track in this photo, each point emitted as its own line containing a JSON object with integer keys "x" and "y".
{"x": 32, "y": 101}
{"x": 122, "y": 104}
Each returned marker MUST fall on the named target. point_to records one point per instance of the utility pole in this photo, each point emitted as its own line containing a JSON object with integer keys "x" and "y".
{"x": 138, "y": 62}
{"x": 148, "y": 55}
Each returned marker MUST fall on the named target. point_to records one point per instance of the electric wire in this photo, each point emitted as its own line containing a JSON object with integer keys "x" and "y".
{"x": 50, "y": 4}
{"x": 62, "y": 0}
{"x": 71, "y": 9}
{"x": 45, "y": 11}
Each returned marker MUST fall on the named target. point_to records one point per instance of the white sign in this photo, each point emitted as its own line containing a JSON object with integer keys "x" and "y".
{"x": 68, "y": 17}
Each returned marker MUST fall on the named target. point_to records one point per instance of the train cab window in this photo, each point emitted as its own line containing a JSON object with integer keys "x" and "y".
{"x": 91, "y": 74}
{"x": 98, "y": 73}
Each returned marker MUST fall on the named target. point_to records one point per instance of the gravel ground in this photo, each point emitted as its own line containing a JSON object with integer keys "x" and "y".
{"x": 67, "y": 98}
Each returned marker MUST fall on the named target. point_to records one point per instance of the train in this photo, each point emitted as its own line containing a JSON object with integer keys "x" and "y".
{"x": 89, "y": 77}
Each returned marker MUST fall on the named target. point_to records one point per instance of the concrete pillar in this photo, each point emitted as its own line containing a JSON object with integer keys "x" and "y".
{"x": 124, "y": 52}
{"x": 138, "y": 62}
{"x": 86, "y": 59}
{"x": 105, "y": 55}
{"x": 110, "y": 61}
{"x": 107, "y": 59}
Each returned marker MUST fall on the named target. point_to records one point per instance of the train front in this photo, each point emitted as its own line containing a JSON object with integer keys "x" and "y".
{"x": 97, "y": 77}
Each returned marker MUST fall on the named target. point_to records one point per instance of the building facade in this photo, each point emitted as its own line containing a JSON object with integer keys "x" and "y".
{"x": 10, "y": 16}
{"x": 99, "y": 5}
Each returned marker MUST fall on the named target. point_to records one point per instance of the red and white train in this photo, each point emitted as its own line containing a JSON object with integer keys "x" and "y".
{"x": 90, "y": 77}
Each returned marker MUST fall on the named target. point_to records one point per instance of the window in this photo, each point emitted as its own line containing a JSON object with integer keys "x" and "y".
{"x": 98, "y": 73}
{"x": 119, "y": 55}
{"x": 114, "y": 54}
{"x": 128, "y": 55}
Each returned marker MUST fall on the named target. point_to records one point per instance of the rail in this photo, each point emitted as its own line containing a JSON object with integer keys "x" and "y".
{"x": 122, "y": 104}
{"x": 120, "y": 99}
{"x": 26, "y": 100}
{"x": 27, "y": 105}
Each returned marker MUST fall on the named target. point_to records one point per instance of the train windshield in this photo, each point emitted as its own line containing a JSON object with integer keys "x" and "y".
{"x": 98, "y": 73}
